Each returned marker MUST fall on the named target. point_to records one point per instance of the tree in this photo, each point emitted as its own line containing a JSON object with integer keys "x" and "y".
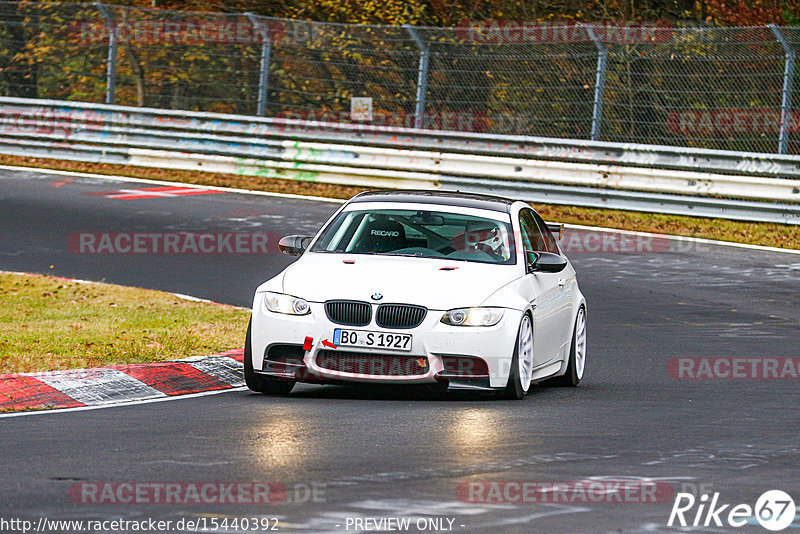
{"x": 754, "y": 12}
{"x": 18, "y": 75}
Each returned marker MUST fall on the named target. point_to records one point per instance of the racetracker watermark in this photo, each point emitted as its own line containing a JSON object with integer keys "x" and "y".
{"x": 183, "y": 493}
{"x": 733, "y": 368}
{"x": 173, "y": 243}
{"x": 593, "y": 241}
{"x": 523, "y": 31}
{"x": 580, "y": 241}
{"x": 579, "y": 491}
{"x": 47, "y": 122}
{"x": 459, "y": 121}
{"x": 573, "y": 242}
{"x": 694, "y": 123}
{"x": 187, "y": 32}
{"x": 206, "y": 523}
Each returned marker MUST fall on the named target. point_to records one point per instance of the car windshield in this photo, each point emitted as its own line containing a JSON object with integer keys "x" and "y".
{"x": 419, "y": 233}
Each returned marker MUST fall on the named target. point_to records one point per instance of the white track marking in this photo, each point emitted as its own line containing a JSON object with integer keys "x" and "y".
{"x": 204, "y": 301}
{"x": 99, "y": 386}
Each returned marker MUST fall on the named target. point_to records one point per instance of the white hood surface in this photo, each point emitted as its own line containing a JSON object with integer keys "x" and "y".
{"x": 318, "y": 277}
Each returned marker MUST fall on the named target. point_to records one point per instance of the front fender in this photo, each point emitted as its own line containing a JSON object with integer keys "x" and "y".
{"x": 517, "y": 295}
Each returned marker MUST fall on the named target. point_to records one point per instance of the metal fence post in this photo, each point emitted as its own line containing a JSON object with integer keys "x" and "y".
{"x": 422, "y": 77}
{"x": 599, "y": 83}
{"x": 263, "y": 73}
{"x": 786, "y": 98}
{"x": 111, "y": 71}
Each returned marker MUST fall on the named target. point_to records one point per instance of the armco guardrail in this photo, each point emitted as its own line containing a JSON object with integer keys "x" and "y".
{"x": 757, "y": 187}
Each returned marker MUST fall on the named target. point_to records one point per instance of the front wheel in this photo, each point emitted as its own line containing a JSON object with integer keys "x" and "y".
{"x": 577, "y": 355}
{"x": 519, "y": 378}
{"x": 258, "y": 383}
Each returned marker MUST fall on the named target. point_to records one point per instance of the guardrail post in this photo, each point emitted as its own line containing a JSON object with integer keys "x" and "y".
{"x": 263, "y": 73}
{"x": 599, "y": 82}
{"x": 786, "y": 99}
{"x": 422, "y": 76}
{"x": 111, "y": 71}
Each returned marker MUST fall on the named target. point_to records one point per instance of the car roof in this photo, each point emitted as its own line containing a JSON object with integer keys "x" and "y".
{"x": 444, "y": 198}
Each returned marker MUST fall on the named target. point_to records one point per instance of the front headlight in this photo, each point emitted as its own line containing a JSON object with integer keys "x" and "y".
{"x": 280, "y": 303}
{"x": 473, "y": 316}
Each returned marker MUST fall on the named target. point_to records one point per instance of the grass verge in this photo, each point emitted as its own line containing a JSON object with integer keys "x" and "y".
{"x": 48, "y": 323}
{"x": 766, "y": 234}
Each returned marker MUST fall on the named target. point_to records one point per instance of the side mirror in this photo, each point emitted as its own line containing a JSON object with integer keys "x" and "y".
{"x": 294, "y": 245}
{"x": 546, "y": 262}
{"x": 557, "y": 229}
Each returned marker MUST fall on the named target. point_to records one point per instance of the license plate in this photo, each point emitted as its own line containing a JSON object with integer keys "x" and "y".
{"x": 371, "y": 340}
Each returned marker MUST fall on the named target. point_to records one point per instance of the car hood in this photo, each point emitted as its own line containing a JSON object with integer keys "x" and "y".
{"x": 422, "y": 281}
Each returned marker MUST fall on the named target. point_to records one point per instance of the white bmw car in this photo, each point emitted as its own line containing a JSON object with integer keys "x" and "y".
{"x": 417, "y": 287}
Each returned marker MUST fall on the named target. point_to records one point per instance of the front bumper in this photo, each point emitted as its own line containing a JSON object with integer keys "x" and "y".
{"x": 432, "y": 339}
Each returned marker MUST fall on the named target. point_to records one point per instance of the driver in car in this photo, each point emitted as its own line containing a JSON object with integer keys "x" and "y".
{"x": 484, "y": 238}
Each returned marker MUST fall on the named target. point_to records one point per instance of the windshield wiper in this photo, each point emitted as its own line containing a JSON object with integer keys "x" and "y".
{"x": 409, "y": 254}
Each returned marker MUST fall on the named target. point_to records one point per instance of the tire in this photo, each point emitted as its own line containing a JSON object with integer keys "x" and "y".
{"x": 258, "y": 383}
{"x": 519, "y": 380}
{"x": 577, "y": 355}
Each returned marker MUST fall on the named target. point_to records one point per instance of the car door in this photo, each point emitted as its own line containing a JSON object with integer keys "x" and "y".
{"x": 548, "y": 299}
{"x": 567, "y": 284}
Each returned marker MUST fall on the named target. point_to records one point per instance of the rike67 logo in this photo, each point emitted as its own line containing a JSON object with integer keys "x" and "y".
{"x": 774, "y": 510}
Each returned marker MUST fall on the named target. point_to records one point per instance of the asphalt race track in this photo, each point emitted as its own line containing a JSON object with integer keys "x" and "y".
{"x": 379, "y": 453}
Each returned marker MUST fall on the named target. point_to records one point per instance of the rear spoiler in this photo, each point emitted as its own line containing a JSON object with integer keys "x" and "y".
{"x": 557, "y": 229}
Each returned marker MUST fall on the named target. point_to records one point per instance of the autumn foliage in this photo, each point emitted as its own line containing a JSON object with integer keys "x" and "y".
{"x": 754, "y": 12}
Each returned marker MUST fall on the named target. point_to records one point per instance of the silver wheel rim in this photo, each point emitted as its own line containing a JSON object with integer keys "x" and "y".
{"x": 525, "y": 353}
{"x": 580, "y": 343}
